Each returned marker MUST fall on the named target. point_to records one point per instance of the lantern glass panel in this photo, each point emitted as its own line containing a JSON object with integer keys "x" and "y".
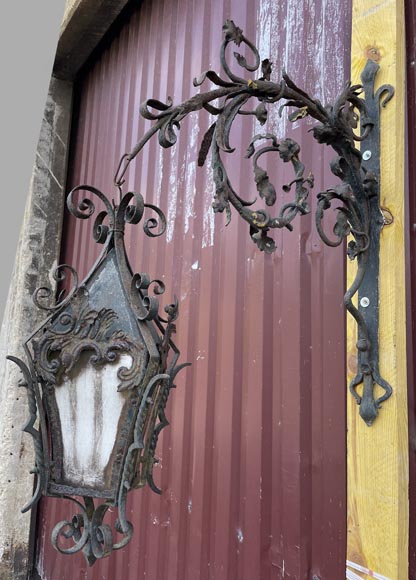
{"x": 89, "y": 407}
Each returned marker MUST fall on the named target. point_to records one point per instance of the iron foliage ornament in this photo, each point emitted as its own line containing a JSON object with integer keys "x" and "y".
{"x": 99, "y": 373}
{"x": 355, "y": 197}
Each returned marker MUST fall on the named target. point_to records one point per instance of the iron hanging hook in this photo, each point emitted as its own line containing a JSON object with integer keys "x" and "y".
{"x": 120, "y": 173}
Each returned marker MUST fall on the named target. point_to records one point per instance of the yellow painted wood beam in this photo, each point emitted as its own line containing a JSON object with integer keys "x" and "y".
{"x": 377, "y": 456}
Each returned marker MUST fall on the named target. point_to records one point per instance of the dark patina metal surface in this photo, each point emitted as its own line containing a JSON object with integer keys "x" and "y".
{"x": 369, "y": 263}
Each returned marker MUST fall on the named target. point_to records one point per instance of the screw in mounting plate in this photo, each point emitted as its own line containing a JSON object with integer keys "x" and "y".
{"x": 367, "y": 155}
{"x": 364, "y": 302}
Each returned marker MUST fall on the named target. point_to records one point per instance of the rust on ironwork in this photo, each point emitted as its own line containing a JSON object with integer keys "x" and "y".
{"x": 372, "y": 53}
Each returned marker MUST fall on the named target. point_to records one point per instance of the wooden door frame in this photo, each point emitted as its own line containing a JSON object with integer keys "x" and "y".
{"x": 377, "y": 465}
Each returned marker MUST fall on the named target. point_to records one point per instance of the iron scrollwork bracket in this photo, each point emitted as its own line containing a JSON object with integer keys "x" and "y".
{"x": 368, "y": 292}
{"x": 355, "y": 198}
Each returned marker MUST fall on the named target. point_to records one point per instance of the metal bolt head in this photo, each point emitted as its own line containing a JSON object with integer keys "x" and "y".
{"x": 367, "y": 155}
{"x": 364, "y": 302}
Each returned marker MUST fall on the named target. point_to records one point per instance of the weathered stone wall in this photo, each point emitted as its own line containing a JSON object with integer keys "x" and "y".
{"x": 38, "y": 252}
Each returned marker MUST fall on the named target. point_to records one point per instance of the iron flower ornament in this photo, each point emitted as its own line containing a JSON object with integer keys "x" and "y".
{"x": 110, "y": 323}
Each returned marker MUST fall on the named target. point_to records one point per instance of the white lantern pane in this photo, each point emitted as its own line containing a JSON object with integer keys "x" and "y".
{"x": 90, "y": 407}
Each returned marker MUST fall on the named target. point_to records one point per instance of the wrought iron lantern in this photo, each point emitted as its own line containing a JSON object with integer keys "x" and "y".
{"x": 99, "y": 372}
{"x": 100, "y": 368}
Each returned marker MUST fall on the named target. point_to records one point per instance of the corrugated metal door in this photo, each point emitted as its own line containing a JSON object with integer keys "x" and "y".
{"x": 253, "y": 465}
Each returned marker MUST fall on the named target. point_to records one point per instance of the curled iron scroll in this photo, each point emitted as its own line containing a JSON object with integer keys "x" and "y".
{"x": 89, "y": 533}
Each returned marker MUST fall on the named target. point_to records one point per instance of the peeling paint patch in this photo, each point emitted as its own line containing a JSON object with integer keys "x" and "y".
{"x": 208, "y": 213}
{"x": 189, "y": 194}
{"x": 190, "y": 190}
{"x": 173, "y": 195}
{"x": 291, "y": 33}
{"x": 159, "y": 176}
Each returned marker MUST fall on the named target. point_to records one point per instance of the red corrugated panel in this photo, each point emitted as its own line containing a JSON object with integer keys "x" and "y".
{"x": 253, "y": 464}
